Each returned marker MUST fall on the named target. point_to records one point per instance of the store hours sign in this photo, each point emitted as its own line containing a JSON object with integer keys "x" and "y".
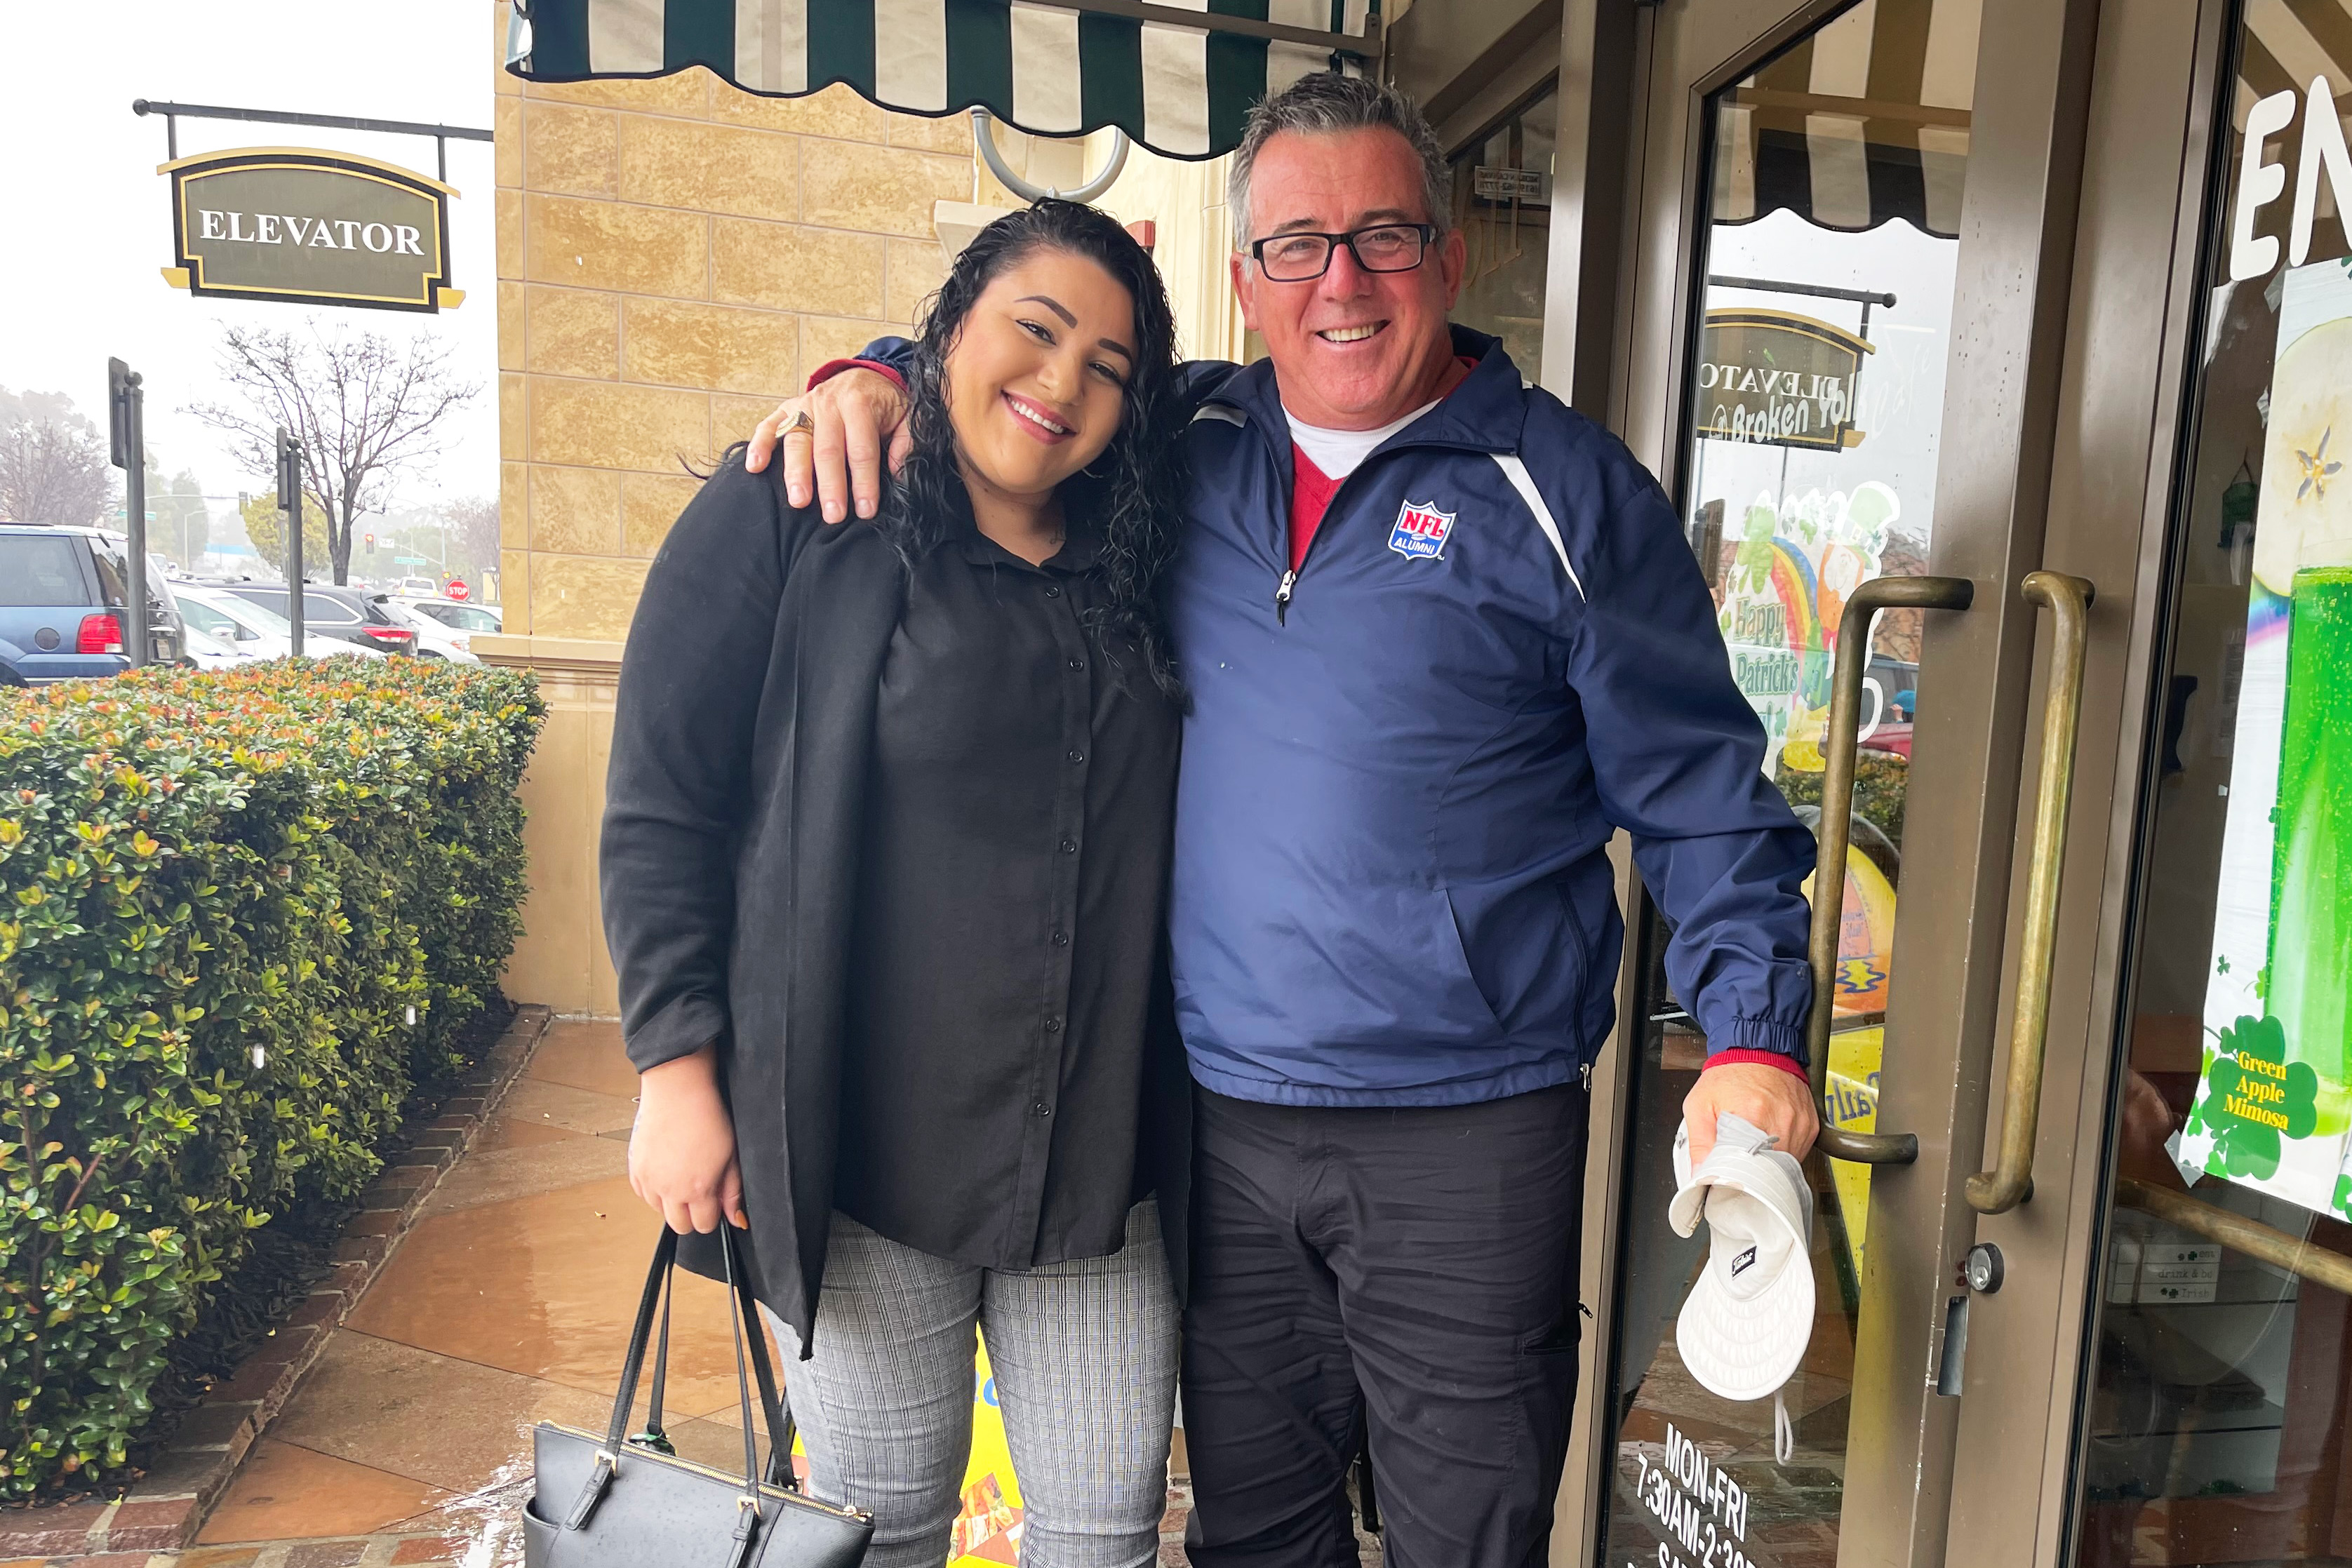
{"x": 1776, "y": 379}
{"x": 309, "y": 228}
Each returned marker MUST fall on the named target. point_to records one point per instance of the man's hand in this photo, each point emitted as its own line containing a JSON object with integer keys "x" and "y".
{"x": 682, "y": 1150}
{"x": 1781, "y": 1104}
{"x": 854, "y": 411}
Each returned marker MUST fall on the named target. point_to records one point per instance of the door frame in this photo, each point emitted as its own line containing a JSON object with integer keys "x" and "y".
{"x": 2146, "y": 221}
{"x": 2040, "y": 396}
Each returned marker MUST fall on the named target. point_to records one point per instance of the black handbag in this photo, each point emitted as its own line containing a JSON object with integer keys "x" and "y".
{"x": 616, "y": 1501}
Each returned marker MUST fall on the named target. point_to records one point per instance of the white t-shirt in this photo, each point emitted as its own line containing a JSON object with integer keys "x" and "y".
{"x": 1338, "y": 452}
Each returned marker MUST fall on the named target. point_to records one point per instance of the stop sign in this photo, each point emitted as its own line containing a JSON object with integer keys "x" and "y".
{"x": 456, "y": 588}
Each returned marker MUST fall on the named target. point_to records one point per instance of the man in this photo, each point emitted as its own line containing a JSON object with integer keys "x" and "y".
{"x": 1443, "y": 636}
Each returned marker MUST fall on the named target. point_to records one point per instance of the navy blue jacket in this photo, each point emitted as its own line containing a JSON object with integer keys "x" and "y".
{"x": 1391, "y": 884}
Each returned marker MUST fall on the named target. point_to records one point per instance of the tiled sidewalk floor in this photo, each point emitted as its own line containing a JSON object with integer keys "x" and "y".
{"x": 508, "y": 1303}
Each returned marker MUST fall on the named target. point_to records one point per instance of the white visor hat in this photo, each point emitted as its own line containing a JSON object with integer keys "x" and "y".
{"x": 1746, "y": 1324}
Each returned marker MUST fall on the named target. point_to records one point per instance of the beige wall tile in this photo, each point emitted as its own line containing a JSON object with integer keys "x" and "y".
{"x": 604, "y": 244}
{"x": 506, "y": 125}
{"x": 948, "y": 133}
{"x": 572, "y": 332}
{"x": 826, "y": 338}
{"x": 721, "y": 348}
{"x": 837, "y": 111}
{"x": 796, "y": 269}
{"x": 571, "y": 151}
{"x": 550, "y": 961}
{"x": 917, "y": 268}
{"x": 686, "y": 93}
{"x": 507, "y": 215}
{"x": 511, "y": 334}
{"x": 583, "y": 596}
{"x": 650, "y": 502}
{"x": 508, "y": 84}
{"x": 600, "y": 425}
{"x": 514, "y": 593}
{"x": 574, "y": 511}
{"x": 885, "y": 190}
{"x": 708, "y": 168}
{"x": 732, "y": 419}
{"x": 514, "y": 504}
{"x": 514, "y": 434}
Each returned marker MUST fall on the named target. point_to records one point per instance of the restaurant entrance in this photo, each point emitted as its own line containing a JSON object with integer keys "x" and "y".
{"x": 1992, "y": 350}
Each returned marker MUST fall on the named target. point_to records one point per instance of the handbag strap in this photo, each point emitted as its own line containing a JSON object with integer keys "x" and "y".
{"x": 608, "y": 1458}
{"x": 778, "y": 1416}
{"x": 632, "y": 1367}
{"x": 743, "y": 1313}
{"x": 652, "y": 1435}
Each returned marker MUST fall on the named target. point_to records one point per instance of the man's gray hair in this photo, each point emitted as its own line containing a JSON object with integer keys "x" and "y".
{"x": 1326, "y": 103}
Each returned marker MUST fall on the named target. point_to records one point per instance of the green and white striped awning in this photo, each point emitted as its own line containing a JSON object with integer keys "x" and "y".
{"x": 1177, "y": 76}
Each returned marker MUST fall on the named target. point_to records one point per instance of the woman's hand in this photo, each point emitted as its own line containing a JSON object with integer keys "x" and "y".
{"x": 682, "y": 1149}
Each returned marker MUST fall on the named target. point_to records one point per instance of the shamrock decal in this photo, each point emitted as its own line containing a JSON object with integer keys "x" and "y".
{"x": 2253, "y": 1095}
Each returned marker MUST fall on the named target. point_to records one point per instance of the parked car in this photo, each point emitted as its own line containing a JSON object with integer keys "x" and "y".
{"x": 159, "y": 585}
{"x": 458, "y": 613}
{"x": 206, "y": 651}
{"x": 61, "y": 605}
{"x": 433, "y": 640}
{"x": 226, "y": 618}
{"x": 252, "y": 630}
{"x": 347, "y": 614}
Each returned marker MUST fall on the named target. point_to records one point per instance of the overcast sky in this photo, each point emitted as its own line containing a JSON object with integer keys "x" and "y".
{"x": 88, "y": 222}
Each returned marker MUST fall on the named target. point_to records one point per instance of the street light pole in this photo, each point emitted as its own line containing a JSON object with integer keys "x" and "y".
{"x": 290, "y": 504}
{"x": 126, "y": 428}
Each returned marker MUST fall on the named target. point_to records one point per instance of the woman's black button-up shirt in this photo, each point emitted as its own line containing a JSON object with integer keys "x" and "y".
{"x": 1011, "y": 893}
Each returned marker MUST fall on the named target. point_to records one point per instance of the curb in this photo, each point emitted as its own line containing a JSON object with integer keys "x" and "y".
{"x": 164, "y": 1509}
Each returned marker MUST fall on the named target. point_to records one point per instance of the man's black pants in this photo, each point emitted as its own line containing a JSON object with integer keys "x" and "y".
{"x": 1400, "y": 1279}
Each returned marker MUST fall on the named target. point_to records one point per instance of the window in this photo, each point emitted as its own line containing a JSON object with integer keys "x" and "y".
{"x": 1502, "y": 204}
{"x": 218, "y": 623}
{"x": 42, "y": 570}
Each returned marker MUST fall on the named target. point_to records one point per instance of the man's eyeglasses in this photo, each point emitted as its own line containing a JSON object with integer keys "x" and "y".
{"x": 1384, "y": 247}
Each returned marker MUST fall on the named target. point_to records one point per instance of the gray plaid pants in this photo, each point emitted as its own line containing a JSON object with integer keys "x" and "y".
{"x": 1083, "y": 1354}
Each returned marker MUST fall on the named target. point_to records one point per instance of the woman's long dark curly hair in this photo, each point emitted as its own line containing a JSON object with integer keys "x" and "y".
{"x": 1130, "y": 494}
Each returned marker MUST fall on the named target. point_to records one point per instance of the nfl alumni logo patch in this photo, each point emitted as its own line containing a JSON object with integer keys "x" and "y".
{"x": 1420, "y": 532}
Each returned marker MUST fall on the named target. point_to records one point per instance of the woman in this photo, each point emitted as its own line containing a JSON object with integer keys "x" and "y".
{"x": 885, "y": 851}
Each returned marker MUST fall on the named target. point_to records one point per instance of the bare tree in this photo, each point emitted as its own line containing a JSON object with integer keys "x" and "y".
{"x": 365, "y": 407}
{"x": 51, "y": 471}
{"x": 474, "y": 527}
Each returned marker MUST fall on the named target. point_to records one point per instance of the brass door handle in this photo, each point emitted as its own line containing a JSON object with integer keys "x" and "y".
{"x": 2011, "y": 1181}
{"x": 1843, "y": 741}
{"x": 2235, "y": 1231}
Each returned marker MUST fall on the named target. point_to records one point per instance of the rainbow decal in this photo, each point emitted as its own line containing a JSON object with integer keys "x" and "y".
{"x": 1802, "y": 556}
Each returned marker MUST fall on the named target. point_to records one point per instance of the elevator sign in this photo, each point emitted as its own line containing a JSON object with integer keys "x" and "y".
{"x": 309, "y": 228}
{"x": 1773, "y": 378}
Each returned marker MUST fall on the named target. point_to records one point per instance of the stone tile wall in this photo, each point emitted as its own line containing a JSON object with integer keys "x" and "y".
{"x": 673, "y": 255}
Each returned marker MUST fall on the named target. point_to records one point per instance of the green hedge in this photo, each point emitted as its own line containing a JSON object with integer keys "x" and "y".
{"x": 221, "y": 896}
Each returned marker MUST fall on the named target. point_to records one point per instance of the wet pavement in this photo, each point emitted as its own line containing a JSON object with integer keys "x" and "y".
{"x": 508, "y": 1303}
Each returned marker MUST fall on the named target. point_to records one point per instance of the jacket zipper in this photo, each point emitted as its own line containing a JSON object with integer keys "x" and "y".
{"x": 1287, "y": 585}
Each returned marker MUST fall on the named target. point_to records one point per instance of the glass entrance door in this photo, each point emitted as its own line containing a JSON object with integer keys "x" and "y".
{"x": 1809, "y": 454}
{"x": 1807, "y": 451}
{"x": 1842, "y": 361}
{"x": 2217, "y": 1382}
